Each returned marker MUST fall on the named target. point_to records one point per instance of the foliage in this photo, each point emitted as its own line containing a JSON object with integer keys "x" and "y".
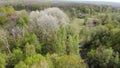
{"x": 114, "y": 42}
{"x": 2, "y": 60}
{"x": 21, "y": 65}
{"x": 17, "y": 56}
{"x": 23, "y": 17}
{"x": 63, "y": 41}
{"x": 3, "y": 18}
{"x": 67, "y": 61}
{"x": 103, "y": 57}
{"x": 34, "y": 61}
{"x": 29, "y": 50}
{"x": 8, "y": 10}
{"x": 46, "y": 38}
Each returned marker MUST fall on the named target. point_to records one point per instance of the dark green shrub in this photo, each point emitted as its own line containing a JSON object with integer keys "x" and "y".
{"x": 95, "y": 36}
{"x": 103, "y": 58}
{"x": 115, "y": 40}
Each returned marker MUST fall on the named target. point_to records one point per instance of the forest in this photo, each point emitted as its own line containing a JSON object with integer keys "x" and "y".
{"x": 59, "y": 36}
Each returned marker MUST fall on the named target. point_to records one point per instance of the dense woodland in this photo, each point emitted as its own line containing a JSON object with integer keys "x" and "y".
{"x": 86, "y": 36}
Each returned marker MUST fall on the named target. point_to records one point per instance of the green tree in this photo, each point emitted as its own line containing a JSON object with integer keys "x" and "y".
{"x": 29, "y": 50}
{"x": 16, "y": 57}
{"x": 2, "y": 60}
{"x": 68, "y": 61}
{"x": 21, "y": 65}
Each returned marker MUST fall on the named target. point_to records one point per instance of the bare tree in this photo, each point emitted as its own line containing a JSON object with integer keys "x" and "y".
{"x": 4, "y": 41}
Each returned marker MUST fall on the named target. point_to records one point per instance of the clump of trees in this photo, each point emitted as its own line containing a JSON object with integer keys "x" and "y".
{"x": 103, "y": 58}
{"x": 31, "y": 39}
{"x": 50, "y": 38}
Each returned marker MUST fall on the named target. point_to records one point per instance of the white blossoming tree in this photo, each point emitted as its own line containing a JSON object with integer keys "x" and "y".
{"x": 48, "y": 20}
